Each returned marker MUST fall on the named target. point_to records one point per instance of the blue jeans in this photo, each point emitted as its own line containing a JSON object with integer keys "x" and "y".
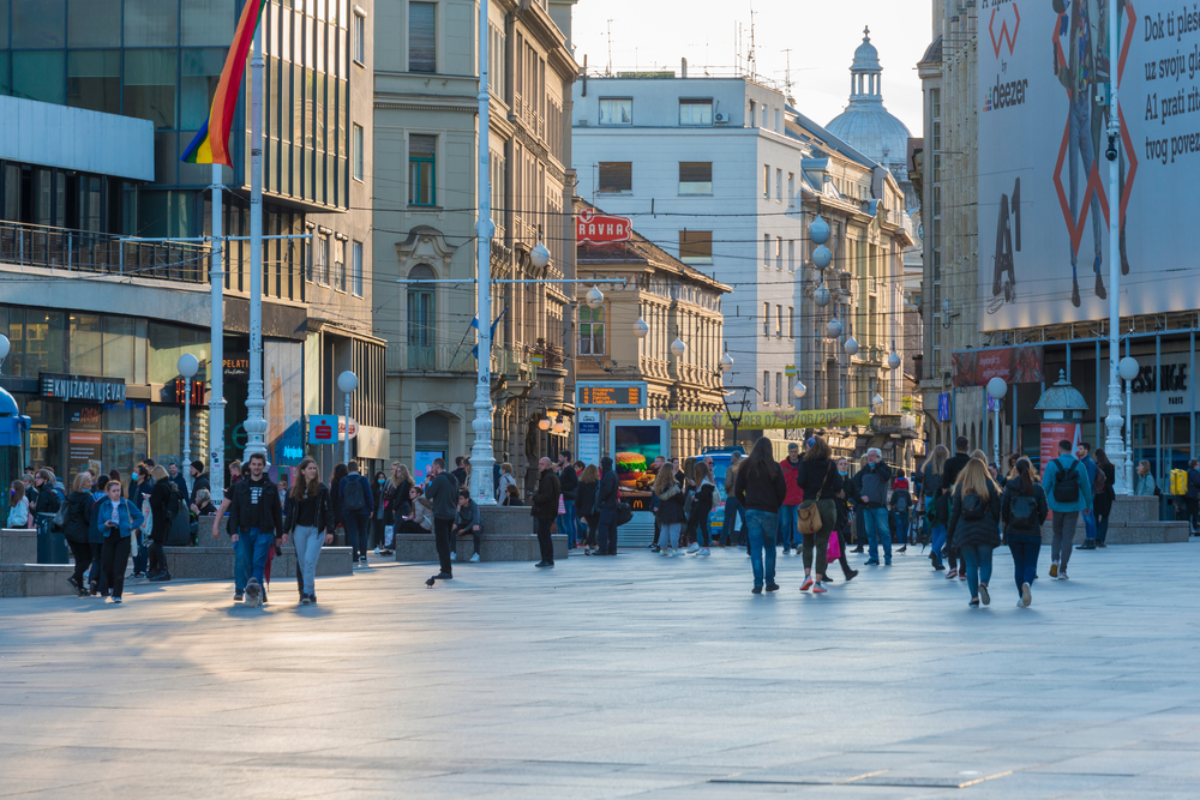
{"x": 877, "y": 530}
{"x": 357, "y": 527}
{"x": 1089, "y": 526}
{"x": 733, "y": 510}
{"x": 568, "y": 523}
{"x": 1024, "y": 551}
{"x": 762, "y": 527}
{"x": 978, "y": 561}
{"x": 141, "y": 562}
{"x": 252, "y": 550}
{"x": 899, "y": 523}
{"x": 788, "y": 534}
{"x": 937, "y": 542}
{"x": 606, "y": 536}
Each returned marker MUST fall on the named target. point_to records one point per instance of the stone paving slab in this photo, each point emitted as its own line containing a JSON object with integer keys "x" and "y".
{"x": 636, "y": 676}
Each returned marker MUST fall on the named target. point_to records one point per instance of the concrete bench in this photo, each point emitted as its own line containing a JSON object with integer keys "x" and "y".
{"x": 1129, "y": 532}
{"x": 35, "y": 580}
{"x": 507, "y": 536}
{"x": 18, "y": 546}
{"x": 215, "y": 563}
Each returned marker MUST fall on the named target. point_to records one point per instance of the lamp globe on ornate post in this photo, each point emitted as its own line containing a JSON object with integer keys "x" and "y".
{"x": 188, "y": 367}
{"x": 726, "y": 362}
{"x": 640, "y": 328}
{"x": 347, "y": 382}
{"x": 851, "y": 346}
{"x": 595, "y": 298}
{"x": 833, "y": 328}
{"x": 799, "y": 390}
{"x": 5, "y": 347}
{"x": 540, "y": 257}
{"x": 1128, "y": 369}
{"x": 997, "y": 389}
{"x": 678, "y": 348}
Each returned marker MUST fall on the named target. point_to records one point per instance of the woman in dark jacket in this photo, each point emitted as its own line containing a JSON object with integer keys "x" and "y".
{"x": 585, "y": 505}
{"x": 1024, "y": 512}
{"x": 379, "y": 518}
{"x": 160, "y": 498}
{"x": 77, "y": 529}
{"x": 1102, "y": 503}
{"x": 821, "y": 483}
{"x": 841, "y": 527}
{"x": 668, "y": 488}
{"x": 975, "y": 526}
{"x": 698, "y": 531}
{"x": 308, "y": 518}
{"x": 335, "y": 482}
{"x": 761, "y": 490}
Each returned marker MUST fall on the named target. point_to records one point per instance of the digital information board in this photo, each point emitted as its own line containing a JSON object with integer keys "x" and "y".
{"x": 610, "y": 394}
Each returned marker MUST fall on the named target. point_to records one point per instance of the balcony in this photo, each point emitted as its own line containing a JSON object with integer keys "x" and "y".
{"x": 450, "y": 359}
{"x": 85, "y": 251}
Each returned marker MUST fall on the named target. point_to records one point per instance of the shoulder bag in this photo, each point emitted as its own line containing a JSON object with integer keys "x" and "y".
{"x": 810, "y": 512}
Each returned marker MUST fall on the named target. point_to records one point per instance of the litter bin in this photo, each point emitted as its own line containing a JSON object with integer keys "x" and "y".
{"x": 51, "y": 545}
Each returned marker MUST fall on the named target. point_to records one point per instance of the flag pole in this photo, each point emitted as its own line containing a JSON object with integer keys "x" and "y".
{"x": 256, "y": 423}
{"x": 482, "y": 457}
{"x": 216, "y": 402}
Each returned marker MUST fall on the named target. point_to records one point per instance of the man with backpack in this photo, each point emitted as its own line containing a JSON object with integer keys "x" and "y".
{"x": 354, "y": 492}
{"x": 1068, "y": 492}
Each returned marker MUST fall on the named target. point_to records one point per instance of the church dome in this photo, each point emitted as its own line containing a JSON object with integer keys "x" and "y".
{"x": 865, "y": 124}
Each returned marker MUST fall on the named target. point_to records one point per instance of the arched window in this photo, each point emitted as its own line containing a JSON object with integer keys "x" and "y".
{"x": 421, "y": 319}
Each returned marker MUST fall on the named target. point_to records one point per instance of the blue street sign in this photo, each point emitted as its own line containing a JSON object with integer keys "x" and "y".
{"x": 944, "y": 407}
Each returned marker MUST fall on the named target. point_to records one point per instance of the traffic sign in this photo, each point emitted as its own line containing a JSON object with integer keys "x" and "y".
{"x": 323, "y": 428}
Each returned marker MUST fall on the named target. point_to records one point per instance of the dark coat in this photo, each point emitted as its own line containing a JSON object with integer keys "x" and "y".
{"x": 670, "y": 504}
{"x": 544, "y": 503}
{"x": 443, "y": 491}
{"x": 78, "y": 523}
{"x": 324, "y": 511}
{"x": 764, "y": 493}
{"x": 1102, "y": 503}
{"x": 160, "y": 496}
{"x": 585, "y": 498}
{"x": 986, "y": 531}
{"x": 200, "y": 483}
{"x": 271, "y": 517}
{"x": 815, "y": 473}
{"x": 608, "y": 495}
{"x": 1012, "y": 491}
{"x": 569, "y": 482}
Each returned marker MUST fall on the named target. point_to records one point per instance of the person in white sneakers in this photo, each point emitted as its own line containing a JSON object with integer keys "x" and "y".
{"x": 670, "y": 514}
{"x": 310, "y": 523}
{"x": 466, "y": 521}
{"x": 255, "y": 523}
{"x": 698, "y": 530}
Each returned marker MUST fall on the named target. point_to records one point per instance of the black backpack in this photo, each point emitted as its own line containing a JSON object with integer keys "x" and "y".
{"x": 1024, "y": 512}
{"x": 1066, "y": 488}
{"x": 352, "y": 494}
{"x": 174, "y": 504}
{"x": 973, "y": 507}
{"x": 902, "y": 503}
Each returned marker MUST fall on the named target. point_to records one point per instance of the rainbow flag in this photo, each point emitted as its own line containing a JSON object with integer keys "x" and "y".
{"x": 211, "y": 145}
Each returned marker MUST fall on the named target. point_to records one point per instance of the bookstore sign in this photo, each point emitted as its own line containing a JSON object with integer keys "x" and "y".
{"x": 82, "y": 388}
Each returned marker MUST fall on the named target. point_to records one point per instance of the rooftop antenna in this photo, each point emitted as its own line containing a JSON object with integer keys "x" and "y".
{"x": 608, "y": 70}
{"x": 750, "y": 59}
{"x": 787, "y": 79}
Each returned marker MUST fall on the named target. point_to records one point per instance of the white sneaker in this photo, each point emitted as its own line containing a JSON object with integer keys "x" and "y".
{"x": 475, "y": 558}
{"x": 704, "y": 551}
{"x": 1026, "y": 595}
{"x": 453, "y": 556}
{"x": 693, "y": 548}
{"x": 1062, "y": 575}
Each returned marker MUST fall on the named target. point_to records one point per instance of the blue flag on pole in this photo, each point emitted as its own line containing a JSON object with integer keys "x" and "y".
{"x": 475, "y": 324}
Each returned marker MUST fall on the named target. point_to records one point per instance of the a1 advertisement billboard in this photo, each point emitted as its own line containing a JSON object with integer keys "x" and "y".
{"x": 1044, "y": 202}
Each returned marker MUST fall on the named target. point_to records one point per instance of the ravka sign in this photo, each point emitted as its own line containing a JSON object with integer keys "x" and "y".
{"x": 602, "y": 229}
{"x": 80, "y": 387}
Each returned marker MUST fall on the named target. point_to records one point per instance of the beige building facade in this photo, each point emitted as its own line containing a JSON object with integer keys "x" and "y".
{"x": 425, "y": 189}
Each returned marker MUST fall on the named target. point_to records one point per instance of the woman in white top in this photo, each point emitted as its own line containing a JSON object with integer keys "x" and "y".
{"x": 506, "y": 480}
{"x": 18, "y": 506}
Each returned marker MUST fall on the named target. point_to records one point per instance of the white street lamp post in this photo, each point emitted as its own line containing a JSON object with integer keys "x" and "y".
{"x": 347, "y": 382}
{"x": 1114, "y": 420}
{"x": 188, "y": 367}
{"x": 256, "y": 422}
{"x": 1128, "y": 369}
{"x": 997, "y": 389}
{"x": 5, "y": 346}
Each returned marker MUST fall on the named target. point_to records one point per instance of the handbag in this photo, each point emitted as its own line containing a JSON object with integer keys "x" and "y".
{"x": 834, "y": 551}
{"x": 624, "y": 513}
{"x": 810, "y": 512}
{"x": 389, "y": 535}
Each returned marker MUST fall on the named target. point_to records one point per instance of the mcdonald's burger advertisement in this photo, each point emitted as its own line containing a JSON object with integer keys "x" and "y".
{"x": 1045, "y": 201}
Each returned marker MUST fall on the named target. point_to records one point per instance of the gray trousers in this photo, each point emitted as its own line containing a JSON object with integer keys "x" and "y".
{"x": 308, "y": 541}
{"x": 1063, "y": 524}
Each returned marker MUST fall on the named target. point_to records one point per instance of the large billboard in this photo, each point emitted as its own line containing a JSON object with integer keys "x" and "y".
{"x": 1044, "y": 203}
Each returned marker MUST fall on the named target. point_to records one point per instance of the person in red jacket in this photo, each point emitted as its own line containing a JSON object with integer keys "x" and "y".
{"x": 789, "y": 534}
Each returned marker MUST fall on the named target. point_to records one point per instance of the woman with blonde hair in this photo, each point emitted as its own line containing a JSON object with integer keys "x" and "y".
{"x": 585, "y": 505}
{"x": 506, "y": 480}
{"x": 670, "y": 509}
{"x": 975, "y": 526}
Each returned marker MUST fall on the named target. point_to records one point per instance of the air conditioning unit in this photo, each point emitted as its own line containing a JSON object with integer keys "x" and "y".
{"x": 721, "y": 118}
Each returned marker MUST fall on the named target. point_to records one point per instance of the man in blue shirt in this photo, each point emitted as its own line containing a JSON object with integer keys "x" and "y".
{"x": 1068, "y": 492}
{"x": 1084, "y": 454}
{"x": 354, "y": 494}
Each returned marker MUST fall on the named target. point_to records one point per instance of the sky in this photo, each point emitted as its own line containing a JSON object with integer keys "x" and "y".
{"x": 821, "y": 35}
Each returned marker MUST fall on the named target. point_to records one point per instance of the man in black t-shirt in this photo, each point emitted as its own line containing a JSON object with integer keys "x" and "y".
{"x": 255, "y": 526}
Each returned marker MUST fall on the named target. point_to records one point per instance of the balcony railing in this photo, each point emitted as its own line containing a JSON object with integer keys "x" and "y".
{"x": 85, "y": 251}
{"x": 450, "y": 358}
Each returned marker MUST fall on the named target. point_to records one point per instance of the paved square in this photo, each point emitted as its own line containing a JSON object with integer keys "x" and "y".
{"x": 637, "y": 676}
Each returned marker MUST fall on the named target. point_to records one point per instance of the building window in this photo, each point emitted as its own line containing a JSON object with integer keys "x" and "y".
{"x": 357, "y": 255}
{"x": 339, "y": 265}
{"x": 791, "y": 322}
{"x": 695, "y": 177}
{"x": 422, "y": 37}
{"x": 778, "y": 388}
{"x": 779, "y": 320}
{"x": 766, "y": 319}
{"x": 695, "y": 247}
{"x": 357, "y": 146}
{"x": 766, "y": 184}
{"x": 791, "y": 190}
{"x": 791, "y": 255}
{"x": 779, "y": 186}
{"x": 695, "y": 112}
{"x": 497, "y": 76}
{"x": 321, "y": 259}
{"x": 766, "y": 392}
{"x": 591, "y": 331}
{"x": 764, "y": 116}
{"x": 422, "y": 169}
{"x": 421, "y": 320}
{"x": 360, "y": 38}
{"x": 778, "y": 124}
{"x": 616, "y": 110}
{"x": 779, "y": 253}
{"x": 616, "y": 177}
{"x": 766, "y": 249}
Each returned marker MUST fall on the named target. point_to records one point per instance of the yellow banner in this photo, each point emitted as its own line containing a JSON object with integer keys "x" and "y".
{"x": 768, "y": 420}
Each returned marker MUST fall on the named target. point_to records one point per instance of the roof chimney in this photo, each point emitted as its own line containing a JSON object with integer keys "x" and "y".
{"x": 683, "y": 68}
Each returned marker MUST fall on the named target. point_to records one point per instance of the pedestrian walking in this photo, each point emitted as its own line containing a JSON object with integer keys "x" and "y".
{"x": 788, "y": 533}
{"x": 820, "y": 482}
{"x": 761, "y": 491}
{"x": 1103, "y": 497}
{"x": 568, "y": 480}
{"x": 669, "y": 489}
{"x": 467, "y": 522}
{"x": 841, "y": 527}
{"x": 1023, "y": 512}
{"x": 77, "y": 529}
{"x": 357, "y": 502}
{"x": 442, "y": 494}
{"x": 975, "y": 526}
{"x": 335, "y": 499}
{"x": 1068, "y": 493}
{"x": 309, "y": 521}
{"x": 585, "y": 505}
{"x": 117, "y": 518}
{"x": 608, "y": 502}
{"x": 379, "y": 513}
{"x": 899, "y": 505}
{"x": 871, "y": 488}
{"x": 954, "y": 465}
{"x": 543, "y": 507}
{"x": 255, "y": 525}
{"x": 937, "y": 504}
{"x": 1192, "y": 498}
{"x": 699, "y": 533}
{"x": 166, "y": 503}
{"x": 731, "y": 534}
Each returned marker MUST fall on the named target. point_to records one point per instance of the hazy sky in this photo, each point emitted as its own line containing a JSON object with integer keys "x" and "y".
{"x": 821, "y": 35}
